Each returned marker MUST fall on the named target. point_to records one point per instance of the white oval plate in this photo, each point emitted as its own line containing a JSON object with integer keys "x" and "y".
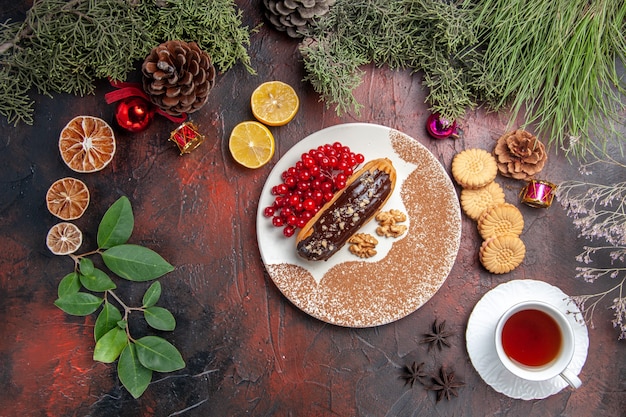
{"x": 480, "y": 337}
{"x": 406, "y": 272}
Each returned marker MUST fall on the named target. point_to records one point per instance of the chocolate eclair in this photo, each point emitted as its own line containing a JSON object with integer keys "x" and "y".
{"x": 366, "y": 191}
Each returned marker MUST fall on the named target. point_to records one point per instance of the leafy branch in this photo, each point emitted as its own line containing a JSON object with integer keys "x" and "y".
{"x": 63, "y": 47}
{"x": 137, "y": 357}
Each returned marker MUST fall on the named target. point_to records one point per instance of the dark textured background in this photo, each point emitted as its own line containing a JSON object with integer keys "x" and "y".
{"x": 248, "y": 350}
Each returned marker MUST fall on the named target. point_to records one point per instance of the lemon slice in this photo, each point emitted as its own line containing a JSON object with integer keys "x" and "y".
{"x": 64, "y": 238}
{"x": 67, "y": 198}
{"x": 87, "y": 144}
{"x": 274, "y": 103}
{"x": 251, "y": 144}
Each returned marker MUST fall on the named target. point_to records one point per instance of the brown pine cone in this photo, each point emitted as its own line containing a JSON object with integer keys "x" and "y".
{"x": 178, "y": 76}
{"x": 295, "y": 17}
{"x": 519, "y": 155}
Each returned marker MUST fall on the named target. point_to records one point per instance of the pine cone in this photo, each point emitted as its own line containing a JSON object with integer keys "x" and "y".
{"x": 519, "y": 155}
{"x": 296, "y": 17}
{"x": 178, "y": 76}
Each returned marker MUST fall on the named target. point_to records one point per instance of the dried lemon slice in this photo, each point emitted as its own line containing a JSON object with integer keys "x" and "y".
{"x": 67, "y": 198}
{"x": 251, "y": 144}
{"x": 274, "y": 103}
{"x": 64, "y": 238}
{"x": 87, "y": 144}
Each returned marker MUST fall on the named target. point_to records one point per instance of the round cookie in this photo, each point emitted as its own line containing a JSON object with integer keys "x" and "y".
{"x": 500, "y": 219}
{"x": 475, "y": 202}
{"x": 502, "y": 254}
{"x": 474, "y": 168}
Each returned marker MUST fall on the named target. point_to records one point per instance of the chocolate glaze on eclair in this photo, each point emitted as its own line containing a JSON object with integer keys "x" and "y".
{"x": 365, "y": 193}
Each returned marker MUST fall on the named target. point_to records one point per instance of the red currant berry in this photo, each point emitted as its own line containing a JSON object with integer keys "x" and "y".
{"x": 315, "y": 171}
{"x": 293, "y": 199}
{"x": 292, "y": 220}
{"x": 288, "y": 231}
{"x": 277, "y": 221}
{"x": 269, "y": 211}
{"x": 340, "y": 184}
{"x": 328, "y": 196}
{"x": 279, "y": 202}
{"x": 318, "y": 196}
{"x": 301, "y": 222}
{"x": 326, "y": 187}
{"x": 359, "y": 158}
{"x": 290, "y": 181}
{"x": 309, "y": 204}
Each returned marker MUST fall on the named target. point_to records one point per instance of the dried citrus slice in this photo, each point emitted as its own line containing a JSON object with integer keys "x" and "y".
{"x": 251, "y": 144}
{"x": 64, "y": 238}
{"x": 67, "y": 198}
{"x": 274, "y": 103}
{"x": 87, "y": 144}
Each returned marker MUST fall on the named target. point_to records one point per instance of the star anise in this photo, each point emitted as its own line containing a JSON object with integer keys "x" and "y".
{"x": 438, "y": 336}
{"x": 413, "y": 373}
{"x": 445, "y": 384}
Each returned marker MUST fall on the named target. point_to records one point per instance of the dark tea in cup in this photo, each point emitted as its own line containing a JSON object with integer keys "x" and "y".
{"x": 532, "y": 338}
{"x": 535, "y": 341}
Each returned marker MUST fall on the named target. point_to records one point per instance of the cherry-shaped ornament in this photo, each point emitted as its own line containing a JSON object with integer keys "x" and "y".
{"x": 134, "y": 114}
{"x": 441, "y": 128}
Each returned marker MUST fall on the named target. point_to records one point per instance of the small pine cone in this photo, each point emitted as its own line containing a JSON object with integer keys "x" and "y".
{"x": 296, "y": 17}
{"x": 178, "y": 76}
{"x": 519, "y": 155}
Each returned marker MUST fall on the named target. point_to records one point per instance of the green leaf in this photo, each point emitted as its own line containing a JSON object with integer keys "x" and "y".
{"x": 134, "y": 376}
{"x": 86, "y": 266}
{"x": 78, "y": 304}
{"x": 122, "y": 324}
{"x": 116, "y": 225}
{"x": 159, "y": 318}
{"x": 109, "y": 346}
{"x": 158, "y": 354}
{"x": 107, "y": 320}
{"x": 70, "y": 284}
{"x": 152, "y": 295}
{"x": 135, "y": 263}
{"x": 97, "y": 281}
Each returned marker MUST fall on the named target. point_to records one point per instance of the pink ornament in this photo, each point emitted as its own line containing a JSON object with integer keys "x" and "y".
{"x": 441, "y": 128}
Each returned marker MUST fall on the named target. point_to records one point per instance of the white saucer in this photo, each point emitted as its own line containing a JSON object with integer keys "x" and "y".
{"x": 480, "y": 337}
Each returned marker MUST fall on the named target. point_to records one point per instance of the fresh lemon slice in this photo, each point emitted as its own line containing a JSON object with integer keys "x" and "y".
{"x": 274, "y": 103}
{"x": 64, "y": 238}
{"x": 67, "y": 198}
{"x": 251, "y": 144}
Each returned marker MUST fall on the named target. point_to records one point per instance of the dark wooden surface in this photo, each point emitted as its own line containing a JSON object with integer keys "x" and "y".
{"x": 248, "y": 350}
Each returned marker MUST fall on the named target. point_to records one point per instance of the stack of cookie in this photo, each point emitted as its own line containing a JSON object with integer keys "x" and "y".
{"x": 499, "y": 223}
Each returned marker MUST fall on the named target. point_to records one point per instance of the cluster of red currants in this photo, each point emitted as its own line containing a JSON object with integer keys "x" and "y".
{"x": 311, "y": 183}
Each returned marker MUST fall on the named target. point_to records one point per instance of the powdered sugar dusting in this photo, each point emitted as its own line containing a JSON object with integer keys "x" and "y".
{"x": 364, "y": 294}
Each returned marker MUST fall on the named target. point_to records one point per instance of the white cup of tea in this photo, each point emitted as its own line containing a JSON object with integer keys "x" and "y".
{"x": 535, "y": 341}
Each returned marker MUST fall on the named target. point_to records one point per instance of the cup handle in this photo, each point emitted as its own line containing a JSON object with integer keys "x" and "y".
{"x": 571, "y": 378}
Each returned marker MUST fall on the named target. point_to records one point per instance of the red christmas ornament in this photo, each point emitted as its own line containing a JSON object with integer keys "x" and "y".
{"x": 134, "y": 114}
{"x": 441, "y": 128}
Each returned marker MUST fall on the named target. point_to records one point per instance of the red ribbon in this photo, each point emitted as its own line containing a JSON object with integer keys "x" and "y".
{"x": 125, "y": 90}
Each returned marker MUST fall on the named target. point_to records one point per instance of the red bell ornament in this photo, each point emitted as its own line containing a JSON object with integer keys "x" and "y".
{"x": 134, "y": 114}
